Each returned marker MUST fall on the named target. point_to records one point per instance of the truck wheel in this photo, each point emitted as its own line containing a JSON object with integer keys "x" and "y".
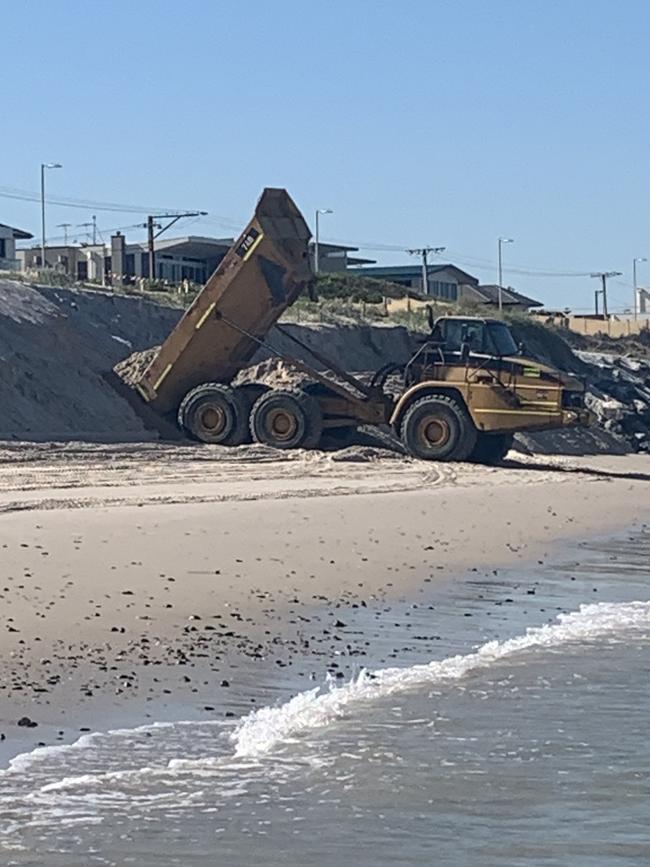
{"x": 287, "y": 419}
{"x": 438, "y": 428}
{"x": 491, "y": 448}
{"x": 214, "y": 413}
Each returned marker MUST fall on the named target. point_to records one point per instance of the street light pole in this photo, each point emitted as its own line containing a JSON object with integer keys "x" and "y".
{"x": 500, "y": 288}
{"x": 319, "y": 211}
{"x": 43, "y": 167}
{"x": 636, "y": 289}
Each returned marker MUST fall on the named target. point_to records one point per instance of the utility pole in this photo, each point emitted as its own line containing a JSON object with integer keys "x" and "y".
{"x": 151, "y": 225}
{"x": 43, "y": 167}
{"x": 150, "y": 247}
{"x": 603, "y": 275}
{"x": 636, "y": 288}
{"x": 502, "y": 241}
{"x": 423, "y": 252}
{"x": 94, "y": 230}
{"x": 65, "y": 227}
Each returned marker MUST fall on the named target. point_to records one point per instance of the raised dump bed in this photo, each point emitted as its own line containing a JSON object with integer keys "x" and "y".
{"x": 261, "y": 275}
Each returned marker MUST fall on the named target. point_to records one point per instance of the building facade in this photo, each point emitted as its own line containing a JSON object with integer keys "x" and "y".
{"x": 444, "y": 282}
{"x": 82, "y": 263}
{"x": 8, "y": 236}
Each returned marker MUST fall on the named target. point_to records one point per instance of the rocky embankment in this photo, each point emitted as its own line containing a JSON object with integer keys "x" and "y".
{"x": 619, "y": 395}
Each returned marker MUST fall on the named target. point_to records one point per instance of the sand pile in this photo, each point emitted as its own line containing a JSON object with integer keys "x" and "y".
{"x": 57, "y": 350}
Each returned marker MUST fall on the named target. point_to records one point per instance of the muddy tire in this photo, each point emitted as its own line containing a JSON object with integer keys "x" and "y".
{"x": 491, "y": 448}
{"x": 215, "y": 413}
{"x": 438, "y": 428}
{"x": 287, "y": 419}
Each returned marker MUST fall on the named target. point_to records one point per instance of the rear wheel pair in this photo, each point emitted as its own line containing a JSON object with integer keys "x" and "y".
{"x": 217, "y": 414}
{"x": 438, "y": 428}
{"x": 287, "y": 419}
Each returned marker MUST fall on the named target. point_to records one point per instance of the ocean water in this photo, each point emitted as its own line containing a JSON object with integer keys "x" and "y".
{"x": 523, "y": 740}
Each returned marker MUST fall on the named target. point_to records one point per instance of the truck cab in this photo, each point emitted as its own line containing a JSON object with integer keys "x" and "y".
{"x": 465, "y": 334}
{"x": 470, "y": 387}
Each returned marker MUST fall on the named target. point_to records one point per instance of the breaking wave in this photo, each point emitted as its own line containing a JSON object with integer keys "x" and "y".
{"x": 263, "y": 729}
{"x": 45, "y": 773}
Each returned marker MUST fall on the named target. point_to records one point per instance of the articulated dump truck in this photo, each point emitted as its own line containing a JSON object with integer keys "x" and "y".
{"x": 464, "y": 393}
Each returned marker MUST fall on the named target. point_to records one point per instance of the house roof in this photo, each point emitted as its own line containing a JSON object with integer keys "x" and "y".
{"x": 414, "y": 272}
{"x": 488, "y": 293}
{"x": 19, "y": 234}
{"x": 193, "y": 246}
{"x": 329, "y": 247}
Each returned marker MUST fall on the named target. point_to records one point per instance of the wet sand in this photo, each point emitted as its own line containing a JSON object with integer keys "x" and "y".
{"x": 168, "y": 578}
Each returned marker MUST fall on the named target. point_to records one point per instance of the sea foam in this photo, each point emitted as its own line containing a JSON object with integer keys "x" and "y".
{"x": 258, "y": 733}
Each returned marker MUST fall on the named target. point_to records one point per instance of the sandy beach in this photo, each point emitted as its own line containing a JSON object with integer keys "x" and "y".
{"x": 154, "y": 576}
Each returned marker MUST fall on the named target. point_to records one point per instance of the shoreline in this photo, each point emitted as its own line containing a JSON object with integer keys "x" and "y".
{"x": 240, "y": 591}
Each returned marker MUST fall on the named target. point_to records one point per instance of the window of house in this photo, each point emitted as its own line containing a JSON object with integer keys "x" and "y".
{"x": 443, "y": 290}
{"x": 3, "y": 248}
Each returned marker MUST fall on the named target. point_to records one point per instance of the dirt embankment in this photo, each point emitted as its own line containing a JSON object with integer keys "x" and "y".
{"x": 57, "y": 348}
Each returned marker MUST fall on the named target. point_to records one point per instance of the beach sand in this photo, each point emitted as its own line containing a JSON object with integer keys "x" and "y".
{"x": 150, "y": 576}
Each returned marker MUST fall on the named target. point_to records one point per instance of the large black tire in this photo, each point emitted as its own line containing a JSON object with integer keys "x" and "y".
{"x": 438, "y": 428}
{"x": 287, "y": 419}
{"x": 491, "y": 448}
{"x": 215, "y": 413}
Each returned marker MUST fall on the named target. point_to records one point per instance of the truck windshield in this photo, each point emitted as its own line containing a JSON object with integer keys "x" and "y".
{"x": 502, "y": 340}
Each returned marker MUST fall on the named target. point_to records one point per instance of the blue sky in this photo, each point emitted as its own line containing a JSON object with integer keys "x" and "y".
{"x": 448, "y": 122}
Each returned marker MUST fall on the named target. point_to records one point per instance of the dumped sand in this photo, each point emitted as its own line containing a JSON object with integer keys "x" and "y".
{"x": 57, "y": 349}
{"x": 132, "y": 369}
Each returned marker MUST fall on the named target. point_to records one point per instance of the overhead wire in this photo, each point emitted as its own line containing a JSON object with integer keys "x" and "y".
{"x": 68, "y": 202}
{"x": 231, "y": 223}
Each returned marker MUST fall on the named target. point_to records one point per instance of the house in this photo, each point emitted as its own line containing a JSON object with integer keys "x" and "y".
{"x": 191, "y": 257}
{"x": 489, "y": 294}
{"x": 445, "y": 282}
{"x": 8, "y": 237}
{"x": 80, "y": 262}
{"x": 333, "y": 258}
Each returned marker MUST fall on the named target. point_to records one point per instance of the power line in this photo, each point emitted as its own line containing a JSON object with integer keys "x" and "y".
{"x": 461, "y": 258}
{"x": 29, "y": 196}
{"x": 229, "y": 222}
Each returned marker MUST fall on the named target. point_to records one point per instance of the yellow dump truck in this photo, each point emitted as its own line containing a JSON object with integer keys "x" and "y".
{"x": 462, "y": 395}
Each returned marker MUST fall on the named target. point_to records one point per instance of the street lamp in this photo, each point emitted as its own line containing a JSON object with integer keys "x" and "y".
{"x": 501, "y": 242}
{"x": 43, "y": 167}
{"x": 636, "y": 291}
{"x": 319, "y": 211}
